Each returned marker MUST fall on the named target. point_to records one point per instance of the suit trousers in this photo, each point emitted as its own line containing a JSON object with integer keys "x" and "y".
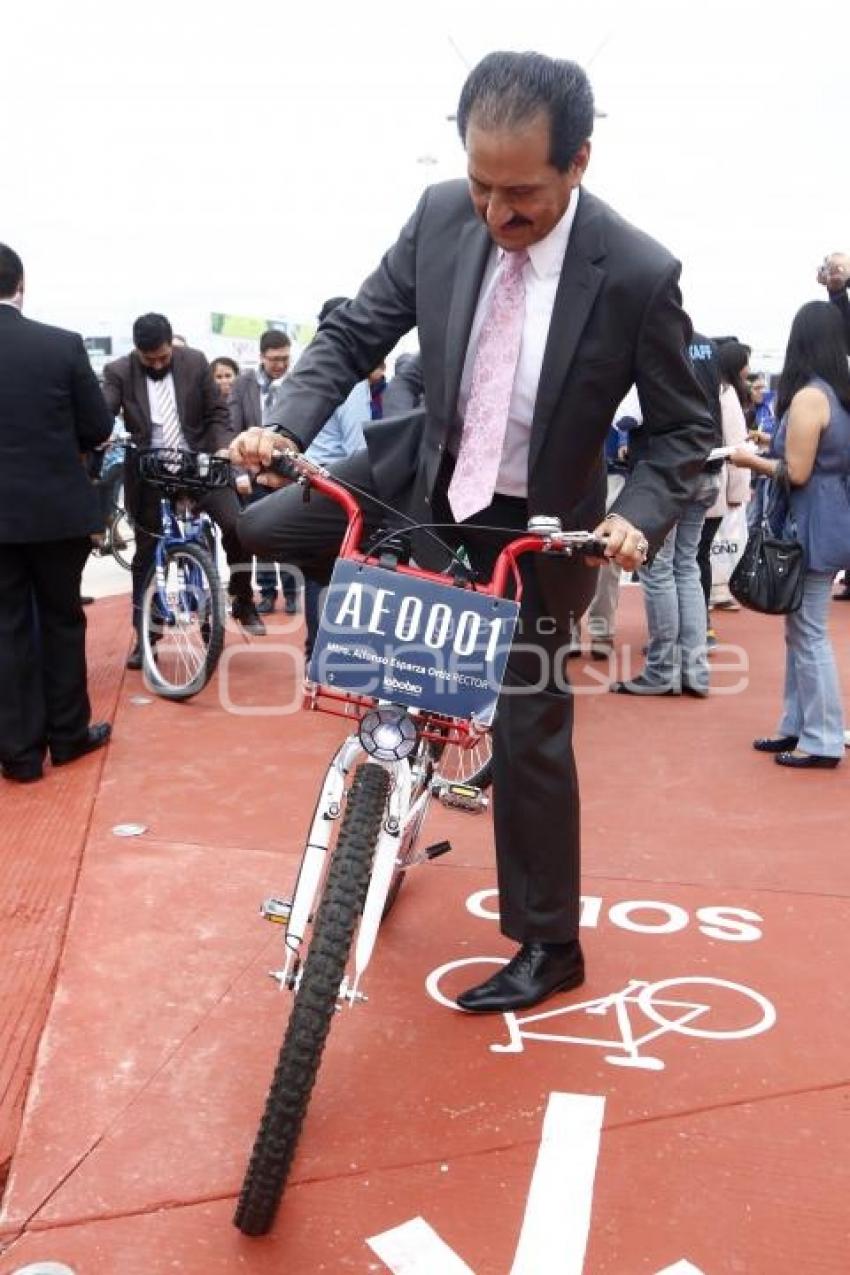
{"x": 535, "y": 785}
{"x": 143, "y": 505}
{"x": 43, "y": 686}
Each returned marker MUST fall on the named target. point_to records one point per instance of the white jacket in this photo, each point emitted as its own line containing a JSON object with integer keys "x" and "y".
{"x": 734, "y": 482}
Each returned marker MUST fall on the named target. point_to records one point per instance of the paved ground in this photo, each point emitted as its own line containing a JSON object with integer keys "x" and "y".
{"x": 697, "y": 1125}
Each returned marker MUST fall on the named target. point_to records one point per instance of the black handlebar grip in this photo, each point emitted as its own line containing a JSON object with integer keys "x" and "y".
{"x": 592, "y": 548}
{"x": 284, "y": 465}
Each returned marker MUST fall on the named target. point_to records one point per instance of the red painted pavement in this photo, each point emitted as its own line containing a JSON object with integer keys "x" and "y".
{"x": 703, "y": 861}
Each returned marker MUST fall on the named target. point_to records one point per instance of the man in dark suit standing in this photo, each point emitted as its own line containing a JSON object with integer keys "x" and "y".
{"x": 537, "y": 307}
{"x": 253, "y": 396}
{"x": 168, "y": 399}
{"x": 51, "y": 410}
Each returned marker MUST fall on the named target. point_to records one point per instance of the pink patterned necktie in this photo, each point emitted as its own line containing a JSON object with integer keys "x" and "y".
{"x": 474, "y": 479}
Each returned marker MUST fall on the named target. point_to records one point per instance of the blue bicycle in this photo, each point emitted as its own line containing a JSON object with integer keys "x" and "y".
{"x": 182, "y": 606}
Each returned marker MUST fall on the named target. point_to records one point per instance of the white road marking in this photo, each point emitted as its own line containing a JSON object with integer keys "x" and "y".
{"x": 680, "y": 1268}
{"x": 557, "y": 1215}
{"x": 414, "y": 1248}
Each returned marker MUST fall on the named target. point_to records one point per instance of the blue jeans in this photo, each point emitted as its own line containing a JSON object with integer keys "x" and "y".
{"x": 812, "y": 709}
{"x": 675, "y": 602}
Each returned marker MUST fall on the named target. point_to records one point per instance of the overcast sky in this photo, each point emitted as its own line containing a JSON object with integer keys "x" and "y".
{"x": 257, "y": 157}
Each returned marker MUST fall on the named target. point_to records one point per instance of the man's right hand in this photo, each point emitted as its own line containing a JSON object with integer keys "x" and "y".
{"x": 256, "y": 449}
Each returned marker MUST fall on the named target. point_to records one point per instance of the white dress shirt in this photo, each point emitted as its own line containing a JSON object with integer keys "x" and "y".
{"x": 167, "y": 383}
{"x": 541, "y": 274}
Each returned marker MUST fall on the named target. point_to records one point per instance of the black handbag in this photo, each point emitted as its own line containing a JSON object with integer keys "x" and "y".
{"x": 769, "y": 576}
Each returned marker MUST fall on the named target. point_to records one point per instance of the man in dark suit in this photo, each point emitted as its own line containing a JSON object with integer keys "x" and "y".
{"x": 253, "y": 396}
{"x": 520, "y": 276}
{"x": 406, "y": 390}
{"x": 51, "y": 411}
{"x": 168, "y": 399}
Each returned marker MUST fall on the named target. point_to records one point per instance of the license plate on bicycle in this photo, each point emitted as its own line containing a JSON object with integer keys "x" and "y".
{"x": 396, "y": 637}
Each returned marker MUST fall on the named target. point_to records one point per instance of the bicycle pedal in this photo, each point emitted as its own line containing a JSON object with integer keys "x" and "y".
{"x": 437, "y": 849}
{"x": 276, "y": 910}
{"x": 463, "y": 797}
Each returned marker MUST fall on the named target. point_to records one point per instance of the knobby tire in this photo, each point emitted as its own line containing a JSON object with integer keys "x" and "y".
{"x": 315, "y": 1002}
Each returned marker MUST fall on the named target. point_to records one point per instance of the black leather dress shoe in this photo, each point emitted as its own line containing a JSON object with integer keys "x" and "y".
{"x": 695, "y": 692}
{"x": 538, "y": 970}
{"x": 134, "y": 659}
{"x": 637, "y": 686}
{"x": 806, "y": 761}
{"x": 771, "y": 744}
{"x": 96, "y": 736}
{"x": 22, "y": 772}
{"x": 245, "y": 613}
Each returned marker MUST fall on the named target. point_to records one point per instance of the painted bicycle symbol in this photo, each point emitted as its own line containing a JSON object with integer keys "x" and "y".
{"x": 695, "y": 1006}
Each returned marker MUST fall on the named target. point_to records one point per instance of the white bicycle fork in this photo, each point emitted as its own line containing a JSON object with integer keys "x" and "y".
{"x": 397, "y": 818}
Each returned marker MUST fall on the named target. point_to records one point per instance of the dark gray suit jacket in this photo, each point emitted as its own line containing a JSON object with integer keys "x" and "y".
{"x": 406, "y": 390}
{"x": 617, "y": 321}
{"x": 51, "y": 410}
{"x": 204, "y": 418}
{"x": 245, "y": 405}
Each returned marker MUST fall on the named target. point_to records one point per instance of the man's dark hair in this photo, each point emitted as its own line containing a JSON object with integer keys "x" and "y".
{"x": 509, "y": 89}
{"x": 11, "y": 272}
{"x": 330, "y": 305}
{"x": 815, "y": 348}
{"x": 150, "y": 331}
{"x": 274, "y": 339}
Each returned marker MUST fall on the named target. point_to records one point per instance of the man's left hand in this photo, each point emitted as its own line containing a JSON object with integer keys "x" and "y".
{"x": 626, "y": 545}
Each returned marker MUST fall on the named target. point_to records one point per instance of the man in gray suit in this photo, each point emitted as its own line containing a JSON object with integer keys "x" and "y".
{"x": 518, "y": 269}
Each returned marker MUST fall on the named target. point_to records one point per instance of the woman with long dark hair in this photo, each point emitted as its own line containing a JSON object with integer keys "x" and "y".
{"x": 812, "y": 454}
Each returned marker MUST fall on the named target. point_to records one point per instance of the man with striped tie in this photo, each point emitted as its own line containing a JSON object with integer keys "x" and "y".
{"x": 168, "y": 399}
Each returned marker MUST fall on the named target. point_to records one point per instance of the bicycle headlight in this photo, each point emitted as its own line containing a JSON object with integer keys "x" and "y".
{"x": 388, "y": 733}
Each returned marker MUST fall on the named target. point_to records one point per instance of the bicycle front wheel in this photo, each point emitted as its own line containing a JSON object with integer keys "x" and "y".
{"x": 181, "y": 650}
{"x": 315, "y": 1001}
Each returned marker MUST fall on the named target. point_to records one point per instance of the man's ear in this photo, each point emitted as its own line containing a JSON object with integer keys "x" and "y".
{"x": 580, "y": 161}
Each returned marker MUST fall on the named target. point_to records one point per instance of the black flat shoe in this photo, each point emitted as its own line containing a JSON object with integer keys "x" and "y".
{"x": 806, "y": 761}
{"x": 638, "y": 687}
{"x": 96, "y": 736}
{"x": 782, "y": 744}
{"x": 538, "y": 970}
{"x": 265, "y": 606}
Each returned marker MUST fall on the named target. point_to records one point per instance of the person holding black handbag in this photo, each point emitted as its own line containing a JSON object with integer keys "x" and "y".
{"x": 812, "y": 457}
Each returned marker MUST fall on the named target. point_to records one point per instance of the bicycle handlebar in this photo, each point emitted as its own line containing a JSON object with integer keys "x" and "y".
{"x": 544, "y": 534}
